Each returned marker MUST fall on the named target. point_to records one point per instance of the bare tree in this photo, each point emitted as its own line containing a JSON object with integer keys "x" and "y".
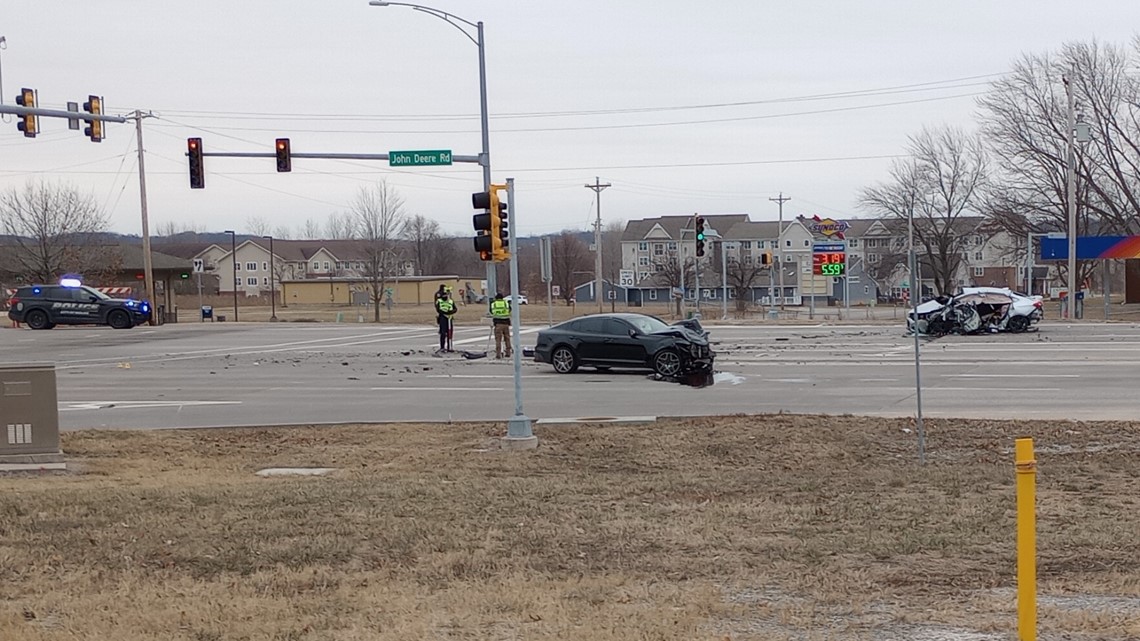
{"x": 378, "y": 214}
{"x": 742, "y": 278}
{"x": 283, "y": 232}
{"x": 54, "y": 230}
{"x": 258, "y": 226}
{"x": 611, "y": 253}
{"x": 311, "y": 230}
{"x": 422, "y": 233}
{"x": 340, "y": 226}
{"x": 671, "y": 273}
{"x": 1025, "y": 122}
{"x": 568, "y": 254}
{"x": 942, "y": 182}
{"x": 176, "y": 228}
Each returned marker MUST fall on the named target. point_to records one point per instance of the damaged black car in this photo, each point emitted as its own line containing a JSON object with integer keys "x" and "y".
{"x": 625, "y": 341}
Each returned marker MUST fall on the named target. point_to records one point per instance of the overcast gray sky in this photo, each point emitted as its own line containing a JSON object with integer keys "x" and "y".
{"x": 341, "y": 76}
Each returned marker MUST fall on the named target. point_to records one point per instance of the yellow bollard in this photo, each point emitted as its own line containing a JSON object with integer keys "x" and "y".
{"x": 1026, "y": 467}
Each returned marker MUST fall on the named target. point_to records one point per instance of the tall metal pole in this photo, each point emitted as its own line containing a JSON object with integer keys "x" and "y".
{"x": 485, "y": 156}
{"x": 233, "y": 259}
{"x": 519, "y": 426}
{"x": 1029, "y": 263}
{"x": 1071, "y": 196}
{"x": 148, "y": 267}
{"x": 917, "y": 366}
{"x": 598, "y": 187}
{"x": 272, "y": 283}
{"x": 723, "y": 281}
{"x": 780, "y": 242}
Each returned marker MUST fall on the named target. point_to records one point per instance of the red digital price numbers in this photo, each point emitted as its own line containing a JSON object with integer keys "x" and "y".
{"x": 829, "y": 263}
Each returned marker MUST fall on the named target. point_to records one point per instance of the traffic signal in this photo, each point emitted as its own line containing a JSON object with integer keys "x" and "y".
{"x": 197, "y": 171}
{"x": 94, "y": 128}
{"x": 28, "y": 123}
{"x": 482, "y": 223}
{"x": 699, "y": 223}
{"x": 500, "y": 225}
{"x": 766, "y": 258}
{"x": 284, "y": 156}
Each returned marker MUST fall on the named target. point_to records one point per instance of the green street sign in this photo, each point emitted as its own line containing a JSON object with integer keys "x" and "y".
{"x": 419, "y": 158}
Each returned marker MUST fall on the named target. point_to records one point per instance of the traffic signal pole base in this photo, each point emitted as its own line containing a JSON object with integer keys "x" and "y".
{"x": 519, "y": 435}
{"x": 773, "y": 314}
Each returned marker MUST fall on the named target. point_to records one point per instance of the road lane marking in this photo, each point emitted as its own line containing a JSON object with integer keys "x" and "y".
{"x": 1012, "y": 375}
{"x": 409, "y": 388}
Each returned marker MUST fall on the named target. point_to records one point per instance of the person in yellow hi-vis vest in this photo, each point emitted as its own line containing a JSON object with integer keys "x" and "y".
{"x": 501, "y": 317}
{"x": 445, "y": 309}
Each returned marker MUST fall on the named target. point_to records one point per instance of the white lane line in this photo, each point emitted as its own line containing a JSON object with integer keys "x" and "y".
{"x": 229, "y": 350}
{"x": 878, "y": 380}
{"x": 1012, "y": 375}
{"x": 470, "y": 376}
{"x": 75, "y": 406}
{"x": 409, "y": 388}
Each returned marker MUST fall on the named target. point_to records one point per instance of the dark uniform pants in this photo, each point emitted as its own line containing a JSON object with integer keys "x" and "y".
{"x": 502, "y": 335}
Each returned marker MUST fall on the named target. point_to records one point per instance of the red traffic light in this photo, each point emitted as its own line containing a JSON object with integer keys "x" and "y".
{"x": 284, "y": 156}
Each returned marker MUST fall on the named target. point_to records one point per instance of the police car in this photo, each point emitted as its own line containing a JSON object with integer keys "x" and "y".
{"x": 71, "y": 303}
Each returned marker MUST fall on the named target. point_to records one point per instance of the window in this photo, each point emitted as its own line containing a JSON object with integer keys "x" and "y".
{"x": 759, "y": 244}
{"x": 979, "y": 271}
{"x": 653, "y": 294}
{"x": 807, "y": 242}
{"x": 316, "y": 266}
{"x": 251, "y": 266}
{"x": 642, "y": 276}
{"x": 672, "y": 245}
{"x": 854, "y": 242}
{"x": 251, "y": 281}
{"x": 643, "y": 247}
{"x": 746, "y": 244}
{"x": 978, "y": 256}
{"x": 872, "y": 258}
{"x": 747, "y": 260}
{"x": 978, "y": 240}
{"x": 787, "y": 243}
{"x": 326, "y": 265}
{"x": 642, "y": 260}
{"x": 237, "y": 280}
{"x": 265, "y": 281}
{"x": 658, "y": 249}
{"x": 237, "y": 267}
{"x": 658, "y": 267}
{"x": 264, "y": 267}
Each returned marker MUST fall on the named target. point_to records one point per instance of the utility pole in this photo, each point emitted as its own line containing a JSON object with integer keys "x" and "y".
{"x": 598, "y": 186}
{"x": 780, "y": 242}
{"x": 148, "y": 267}
{"x": 1071, "y": 196}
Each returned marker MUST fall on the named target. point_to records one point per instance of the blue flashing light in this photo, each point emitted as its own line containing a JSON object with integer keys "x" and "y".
{"x": 36, "y": 290}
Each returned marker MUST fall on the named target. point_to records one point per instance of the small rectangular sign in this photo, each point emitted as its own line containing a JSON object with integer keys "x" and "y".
{"x": 419, "y": 158}
{"x": 829, "y": 247}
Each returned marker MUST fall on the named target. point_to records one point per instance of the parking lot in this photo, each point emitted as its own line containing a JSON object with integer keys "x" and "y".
{"x": 200, "y": 375}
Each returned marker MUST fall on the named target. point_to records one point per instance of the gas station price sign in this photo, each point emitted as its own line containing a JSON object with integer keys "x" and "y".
{"x": 833, "y": 263}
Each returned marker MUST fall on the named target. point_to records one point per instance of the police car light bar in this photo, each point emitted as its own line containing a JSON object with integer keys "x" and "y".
{"x": 69, "y": 282}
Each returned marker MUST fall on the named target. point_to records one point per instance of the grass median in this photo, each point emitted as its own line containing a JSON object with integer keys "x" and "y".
{"x": 774, "y": 527}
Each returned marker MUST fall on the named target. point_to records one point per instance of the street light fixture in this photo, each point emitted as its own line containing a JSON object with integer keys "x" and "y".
{"x": 233, "y": 259}
{"x": 485, "y": 156}
{"x": 272, "y": 284}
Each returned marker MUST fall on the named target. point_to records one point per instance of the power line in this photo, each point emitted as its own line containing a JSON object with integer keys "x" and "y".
{"x": 934, "y": 85}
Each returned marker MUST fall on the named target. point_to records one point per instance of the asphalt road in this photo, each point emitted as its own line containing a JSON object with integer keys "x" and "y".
{"x": 200, "y": 375}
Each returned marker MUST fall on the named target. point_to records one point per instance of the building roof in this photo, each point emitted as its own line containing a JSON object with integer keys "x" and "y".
{"x": 636, "y": 230}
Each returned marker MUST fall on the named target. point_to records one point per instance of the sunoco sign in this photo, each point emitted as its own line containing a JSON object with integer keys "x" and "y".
{"x": 828, "y": 227}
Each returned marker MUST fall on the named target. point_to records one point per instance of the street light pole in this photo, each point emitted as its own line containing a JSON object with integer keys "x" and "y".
{"x": 780, "y": 242}
{"x": 233, "y": 260}
{"x": 723, "y": 281}
{"x": 485, "y": 156}
{"x": 1071, "y": 196}
{"x": 272, "y": 283}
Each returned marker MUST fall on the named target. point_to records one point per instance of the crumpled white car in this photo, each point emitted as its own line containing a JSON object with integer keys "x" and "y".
{"x": 978, "y": 309}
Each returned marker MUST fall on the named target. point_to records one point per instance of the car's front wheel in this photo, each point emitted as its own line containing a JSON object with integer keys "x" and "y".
{"x": 119, "y": 319}
{"x": 38, "y": 319}
{"x": 564, "y": 360}
{"x": 1017, "y": 324}
{"x": 667, "y": 362}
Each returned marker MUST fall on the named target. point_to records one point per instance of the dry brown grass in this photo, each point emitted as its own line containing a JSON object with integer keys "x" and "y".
{"x": 775, "y": 527}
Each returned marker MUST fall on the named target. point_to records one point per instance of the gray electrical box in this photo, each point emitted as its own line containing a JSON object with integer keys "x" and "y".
{"x": 29, "y": 418}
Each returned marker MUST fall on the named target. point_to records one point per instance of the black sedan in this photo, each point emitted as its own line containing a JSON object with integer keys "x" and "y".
{"x": 626, "y": 341}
